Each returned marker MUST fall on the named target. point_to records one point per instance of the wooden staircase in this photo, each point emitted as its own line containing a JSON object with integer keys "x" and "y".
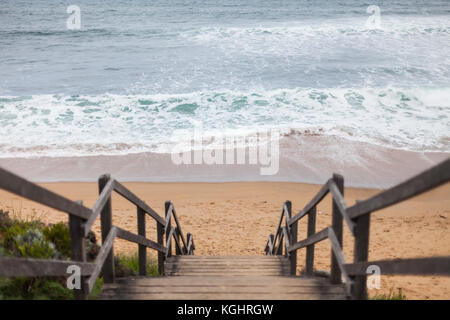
{"x": 225, "y": 277}
{"x": 191, "y": 277}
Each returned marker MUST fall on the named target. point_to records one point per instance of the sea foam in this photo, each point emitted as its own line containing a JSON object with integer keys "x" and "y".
{"x": 59, "y": 125}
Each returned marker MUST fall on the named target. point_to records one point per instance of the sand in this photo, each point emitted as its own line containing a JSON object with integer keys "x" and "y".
{"x": 302, "y": 158}
{"x": 236, "y": 219}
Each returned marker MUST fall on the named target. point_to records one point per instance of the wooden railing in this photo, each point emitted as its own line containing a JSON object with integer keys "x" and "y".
{"x": 81, "y": 220}
{"x": 357, "y": 218}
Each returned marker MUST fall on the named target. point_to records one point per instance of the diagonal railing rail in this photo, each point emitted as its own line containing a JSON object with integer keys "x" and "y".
{"x": 81, "y": 220}
{"x": 357, "y": 218}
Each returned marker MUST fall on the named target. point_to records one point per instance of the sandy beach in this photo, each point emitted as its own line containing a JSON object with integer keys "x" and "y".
{"x": 236, "y": 218}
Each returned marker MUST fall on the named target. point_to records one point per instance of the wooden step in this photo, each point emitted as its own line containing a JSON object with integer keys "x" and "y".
{"x": 222, "y": 287}
{"x": 224, "y": 277}
{"x": 227, "y": 265}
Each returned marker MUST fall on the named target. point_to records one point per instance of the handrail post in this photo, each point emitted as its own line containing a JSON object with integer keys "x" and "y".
{"x": 310, "y": 249}
{"x": 78, "y": 251}
{"x": 335, "y": 276}
{"x": 142, "y": 250}
{"x": 269, "y": 251}
{"x": 293, "y": 257}
{"x": 168, "y": 226}
{"x": 279, "y": 249}
{"x": 106, "y": 225}
{"x": 292, "y": 232}
{"x": 178, "y": 250}
{"x": 361, "y": 254}
{"x": 161, "y": 256}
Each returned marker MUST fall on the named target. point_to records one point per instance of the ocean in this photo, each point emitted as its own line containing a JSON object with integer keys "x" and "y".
{"x": 137, "y": 71}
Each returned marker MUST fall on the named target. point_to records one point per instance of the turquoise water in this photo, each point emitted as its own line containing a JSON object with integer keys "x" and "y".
{"x": 138, "y": 70}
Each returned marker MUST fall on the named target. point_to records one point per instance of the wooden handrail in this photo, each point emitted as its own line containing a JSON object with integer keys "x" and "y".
{"x": 24, "y": 188}
{"x": 99, "y": 205}
{"x": 342, "y": 206}
{"x": 127, "y": 194}
{"x": 317, "y": 198}
{"x": 169, "y": 242}
{"x": 27, "y": 267}
{"x": 176, "y": 232}
{"x": 414, "y": 186}
{"x": 317, "y": 237}
{"x": 357, "y": 218}
{"x": 415, "y": 266}
{"x": 81, "y": 220}
{"x": 101, "y": 257}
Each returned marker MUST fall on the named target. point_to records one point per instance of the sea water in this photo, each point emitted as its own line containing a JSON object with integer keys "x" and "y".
{"x": 136, "y": 71}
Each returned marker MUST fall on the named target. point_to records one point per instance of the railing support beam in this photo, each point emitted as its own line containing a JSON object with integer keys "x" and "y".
{"x": 161, "y": 255}
{"x": 310, "y": 249}
{"x": 361, "y": 254}
{"x": 292, "y": 231}
{"x": 78, "y": 251}
{"x": 168, "y": 227}
{"x": 106, "y": 225}
{"x": 335, "y": 276}
{"x": 142, "y": 250}
{"x": 178, "y": 249}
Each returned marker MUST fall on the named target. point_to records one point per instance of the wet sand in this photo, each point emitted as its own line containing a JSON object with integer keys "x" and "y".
{"x": 302, "y": 158}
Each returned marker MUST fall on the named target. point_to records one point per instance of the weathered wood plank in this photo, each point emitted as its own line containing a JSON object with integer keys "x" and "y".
{"x": 190, "y": 269}
{"x": 179, "y": 231}
{"x": 337, "y": 228}
{"x": 228, "y": 257}
{"x": 341, "y": 206}
{"x": 317, "y": 198}
{"x": 102, "y": 257}
{"x": 169, "y": 242}
{"x": 234, "y": 274}
{"x": 230, "y": 263}
{"x": 176, "y": 236}
{"x": 223, "y": 280}
{"x": 22, "y": 187}
{"x": 190, "y": 240}
{"x": 168, "y": 227}
{"x": 126, "y": 235}
{"x": 106, "y": 226}
{"x": 319, "y": 236}
{"x": 104, "y": 197}
{"x": 224, "y": 289}
{"x": 361, "y": 254}
{"x": 225, "y": 296}
{"x": 292, "y": 232}
{"x": 142, "y": 249}
{"x": 286, "y": 241}
{"x": 227, "y": 267}
{"x": 78, "y": 252}
{"x": 24, "y": 267}
{"x": 414, "y": 186}
{"x": 270, "y": 245}
{"x": 279, "y": 249}
{"x": 278, "y": 230}
{"x": 127, "y": 194}
{"x": 338, "y": 253}
{"x": 160, "y": 239}
{"x": 416, "y": 266}
{"x": 311, "y": 229}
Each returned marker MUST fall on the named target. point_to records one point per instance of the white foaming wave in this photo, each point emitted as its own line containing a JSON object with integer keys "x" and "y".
{"x": 287, "y": 38}
{"x": 57, "y": 125}
{"x": 388, "y": 25}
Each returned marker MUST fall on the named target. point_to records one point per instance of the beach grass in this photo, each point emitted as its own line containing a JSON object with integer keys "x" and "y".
{"x": 31, "y": 238}
{"x": 390, "y": 296}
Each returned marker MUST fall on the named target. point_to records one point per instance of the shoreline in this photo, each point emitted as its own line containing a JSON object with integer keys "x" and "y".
{"x": 302, "y": 158}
